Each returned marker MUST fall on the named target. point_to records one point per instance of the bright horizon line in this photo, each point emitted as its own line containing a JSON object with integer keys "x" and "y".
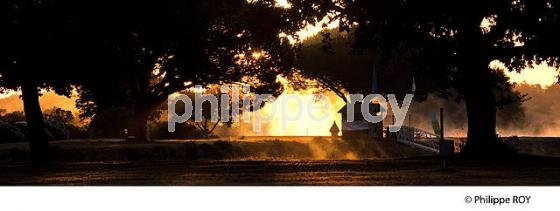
{"x": 542, "y": 75}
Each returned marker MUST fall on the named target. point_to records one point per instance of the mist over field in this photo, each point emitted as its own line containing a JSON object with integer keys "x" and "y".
{"x": 535, "y": 118}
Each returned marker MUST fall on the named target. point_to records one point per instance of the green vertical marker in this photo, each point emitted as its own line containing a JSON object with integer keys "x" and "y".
{"x": 435, "y": 126}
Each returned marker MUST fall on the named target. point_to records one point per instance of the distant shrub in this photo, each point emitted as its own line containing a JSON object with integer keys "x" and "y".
{"x": 60, "y": 115}
{"x": 182, "y": 131}
{"x": 10, "y": 134}
{"x": 13, "y": 117}
{"x": 110, "y": 123}
{"x": 512, "y": 139}
{"x": 22, "y": 126}
{"x": 61, "y": 124}
{"x": 77, "y": 132}
{"x": 57, "y": 129}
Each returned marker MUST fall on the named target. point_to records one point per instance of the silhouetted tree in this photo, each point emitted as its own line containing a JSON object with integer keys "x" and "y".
{"x": 342, "y": 68}
{"x": 13, "y": 117}
{"x": 151, "y": 50}
{"x": 453, "y": 43}
{"x": 60, "y": 115}
{"x": 207, "y": 125}
{"x": 33, "y": 55}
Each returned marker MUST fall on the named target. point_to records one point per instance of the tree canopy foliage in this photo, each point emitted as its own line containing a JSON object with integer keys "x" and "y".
{"x": 452, "y": 43}
{"x": 135, "y": 53}
{"x": 174, "y": 45}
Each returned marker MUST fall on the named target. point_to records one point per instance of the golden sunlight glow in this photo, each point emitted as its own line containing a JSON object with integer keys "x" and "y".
{"x": 305, "y": 125}
{"x": 246, "y": 58}
{"x": 312, "y": 30}
{"x": 157, "y": 69}
{"x": 487, "y": 23}
{"x": 198, "y": 89}
{"x": 283, "y": 3}
{"x": 258, "y": 54}
{"x": 542, "y": 74}
{"x": 11, "y": 101}
{"x": 7, "y": 94}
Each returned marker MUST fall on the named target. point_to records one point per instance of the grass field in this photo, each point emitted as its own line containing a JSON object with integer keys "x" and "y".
{"x": 264, "y": 161}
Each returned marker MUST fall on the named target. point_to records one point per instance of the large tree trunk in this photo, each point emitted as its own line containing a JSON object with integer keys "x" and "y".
{"x": 482, "y": 141}
{"x": 139, "y": 126}
{"x": 36, "y": 133}
{"x": 481, "y": 114}
{"x": 142, "y": 113}
{"x": 477, "y": 86}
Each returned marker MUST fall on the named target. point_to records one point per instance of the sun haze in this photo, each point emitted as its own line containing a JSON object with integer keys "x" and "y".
{"x": 542, "y": 75}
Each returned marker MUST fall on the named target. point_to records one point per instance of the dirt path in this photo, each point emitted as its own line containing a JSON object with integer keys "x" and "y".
{"x": 419, "y": 171}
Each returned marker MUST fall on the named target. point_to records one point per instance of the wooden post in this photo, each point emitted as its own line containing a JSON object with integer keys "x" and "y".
{"x": 442, "y": 139}
{"x": 441, "y": 122}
